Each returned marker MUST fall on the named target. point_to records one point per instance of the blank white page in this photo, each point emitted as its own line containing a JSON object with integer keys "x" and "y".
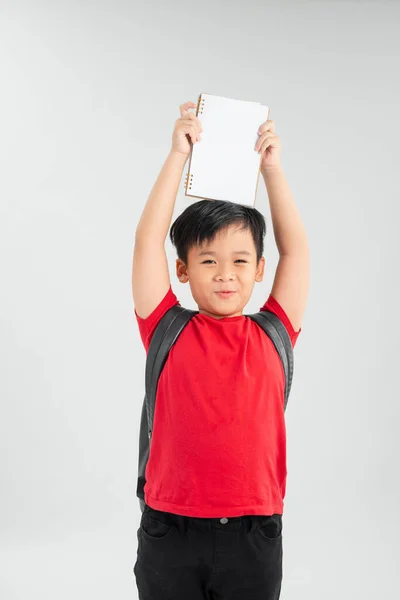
{"x": 224, "y": 164}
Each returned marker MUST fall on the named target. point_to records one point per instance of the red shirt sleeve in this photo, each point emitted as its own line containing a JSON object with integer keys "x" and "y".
{"x": 273, "y": 305}
{"x": 147, "y": 326}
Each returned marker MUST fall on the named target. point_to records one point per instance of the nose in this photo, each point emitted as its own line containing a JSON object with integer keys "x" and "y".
{"x": 225, "y": 275}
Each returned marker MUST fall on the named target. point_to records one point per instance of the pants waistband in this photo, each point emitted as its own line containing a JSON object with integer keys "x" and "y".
{"x": 209, "y": 523}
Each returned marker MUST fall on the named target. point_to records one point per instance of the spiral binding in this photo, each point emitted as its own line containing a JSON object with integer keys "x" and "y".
{"x": 189, "y": 176}
{"x": 200, "y": 105}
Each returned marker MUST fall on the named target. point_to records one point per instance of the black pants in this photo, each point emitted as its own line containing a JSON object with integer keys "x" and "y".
{"x": 191, "y": 558}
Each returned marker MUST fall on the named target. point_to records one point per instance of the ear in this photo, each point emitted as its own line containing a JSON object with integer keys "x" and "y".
{"x": 181, "y": 271}
{"x": 260, "y": 269}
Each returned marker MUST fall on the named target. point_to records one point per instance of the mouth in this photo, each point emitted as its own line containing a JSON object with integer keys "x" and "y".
{"x": 225, "y": 294}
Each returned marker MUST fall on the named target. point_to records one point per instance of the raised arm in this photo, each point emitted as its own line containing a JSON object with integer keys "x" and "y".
{"x": 150, "y": 274}
{"x": 292, "y": 277}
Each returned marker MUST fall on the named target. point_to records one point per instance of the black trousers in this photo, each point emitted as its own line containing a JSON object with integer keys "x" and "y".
{"x": 191, "y": 558}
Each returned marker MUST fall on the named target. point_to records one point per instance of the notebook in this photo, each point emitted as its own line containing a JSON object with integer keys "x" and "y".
{"x": 224, "y": 164}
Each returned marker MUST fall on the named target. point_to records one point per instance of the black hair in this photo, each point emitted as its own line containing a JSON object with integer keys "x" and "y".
{"x": 202, "y": 221}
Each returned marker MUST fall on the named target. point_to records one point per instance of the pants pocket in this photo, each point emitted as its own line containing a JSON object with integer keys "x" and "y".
{"x": 270, "y": 527}
{"x": 156, "y": 525}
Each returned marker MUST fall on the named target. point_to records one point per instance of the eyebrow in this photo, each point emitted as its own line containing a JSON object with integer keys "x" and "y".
{"x": 234, "y": 252}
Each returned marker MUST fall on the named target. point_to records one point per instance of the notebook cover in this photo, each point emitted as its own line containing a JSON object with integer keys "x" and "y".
{"x": 224, "y": 164}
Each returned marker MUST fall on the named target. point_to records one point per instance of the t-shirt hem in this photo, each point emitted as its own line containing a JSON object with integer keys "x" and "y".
{"x": 212, "y": 512}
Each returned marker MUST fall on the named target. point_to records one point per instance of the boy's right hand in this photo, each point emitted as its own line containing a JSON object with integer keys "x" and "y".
{"x": 187, "y": 129}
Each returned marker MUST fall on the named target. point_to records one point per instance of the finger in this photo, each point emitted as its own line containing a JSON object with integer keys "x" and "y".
{"x": 191, "y": 119}
{"x": 267, "y": 126}
{"x": 265, "y": 136}
{"x": 270, "y": 141}
{"x": 190, "y": 130}
{"x": 184, "y": 108}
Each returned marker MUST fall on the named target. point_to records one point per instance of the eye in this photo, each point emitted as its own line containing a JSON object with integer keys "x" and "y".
{"x": 209, "y": 260}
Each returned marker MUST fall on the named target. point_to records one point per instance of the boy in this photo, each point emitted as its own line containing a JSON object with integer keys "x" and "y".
{"x": 216, "y": 474}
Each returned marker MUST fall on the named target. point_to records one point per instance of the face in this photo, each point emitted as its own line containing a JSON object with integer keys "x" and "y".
{"x": 227, "y": 263}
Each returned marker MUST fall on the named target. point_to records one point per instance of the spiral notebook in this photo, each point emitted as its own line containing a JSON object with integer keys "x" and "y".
{"x": 224, "y": 164}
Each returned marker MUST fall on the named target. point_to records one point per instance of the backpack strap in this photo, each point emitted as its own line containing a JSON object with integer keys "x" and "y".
{"x": 279, "y": 336}
{"x": 164, "y": 336}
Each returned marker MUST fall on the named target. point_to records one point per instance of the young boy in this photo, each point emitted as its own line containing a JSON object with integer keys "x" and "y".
{"x": 216, "y": 474}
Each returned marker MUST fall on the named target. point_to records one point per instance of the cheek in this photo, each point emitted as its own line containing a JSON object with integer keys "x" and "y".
{"x": 199, "y": 279}
{"x": 202, "y": 275}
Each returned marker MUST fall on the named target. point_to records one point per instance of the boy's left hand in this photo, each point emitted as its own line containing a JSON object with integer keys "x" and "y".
{"x": 270, "y": 146}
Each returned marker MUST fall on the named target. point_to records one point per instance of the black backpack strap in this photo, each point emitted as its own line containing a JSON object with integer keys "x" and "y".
{"x": 164, "y": 336}
{"x": 279, "y": 336}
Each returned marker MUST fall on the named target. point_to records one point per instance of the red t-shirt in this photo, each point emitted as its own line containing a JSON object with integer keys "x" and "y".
{"x": 218, "y": 447}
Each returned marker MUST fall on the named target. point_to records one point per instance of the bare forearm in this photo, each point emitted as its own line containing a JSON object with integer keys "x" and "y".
{"x": 157, "y": 214}
{"x": 289, "y": 231}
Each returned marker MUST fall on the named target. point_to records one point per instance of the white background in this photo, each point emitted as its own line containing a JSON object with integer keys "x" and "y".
{"x": 90, "y": 92}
